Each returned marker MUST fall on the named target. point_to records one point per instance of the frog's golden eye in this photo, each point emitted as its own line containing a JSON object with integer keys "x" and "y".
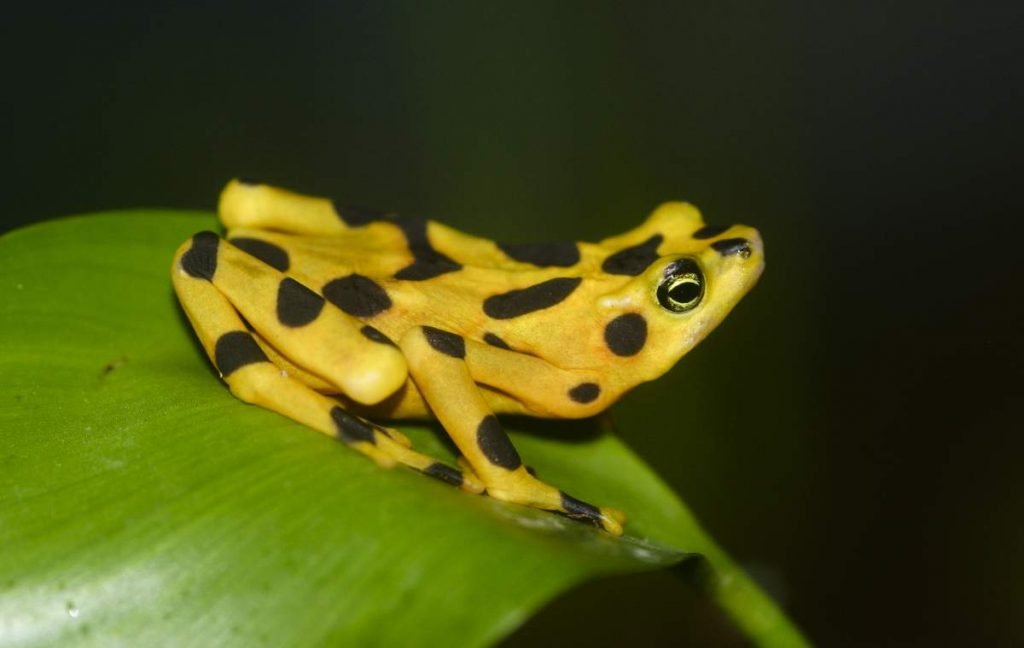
{"x": 682, "y": 286}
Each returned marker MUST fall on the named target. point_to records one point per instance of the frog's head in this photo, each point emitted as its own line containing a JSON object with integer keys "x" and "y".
{"x": 685, "y": 278}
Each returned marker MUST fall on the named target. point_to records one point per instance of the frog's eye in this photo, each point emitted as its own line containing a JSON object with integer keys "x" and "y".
{"x": 682, "y": 286}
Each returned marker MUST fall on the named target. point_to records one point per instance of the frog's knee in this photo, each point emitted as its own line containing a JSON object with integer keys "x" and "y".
{"x": 424, "y": 341}
{"x": 197, "y": 257}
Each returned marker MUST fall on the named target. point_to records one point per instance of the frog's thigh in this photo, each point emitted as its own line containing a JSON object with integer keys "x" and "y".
{"x": 437, "y": 363}
{"x": 298, "y": 322}
{"x": 253, "y": 378}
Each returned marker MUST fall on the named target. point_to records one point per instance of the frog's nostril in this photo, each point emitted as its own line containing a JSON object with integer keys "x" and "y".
{"x": 731, "y": 246}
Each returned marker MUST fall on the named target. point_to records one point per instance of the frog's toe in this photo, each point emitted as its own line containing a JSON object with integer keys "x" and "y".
{"x": 382, "y": 459}
{"x": 606, "y": 518}
{"x": 466, "y": 480}
{"x": 396, "y": 436}
{"x": 389, "y": 447}
{"x": 470, "y": 482}
{"x": 616, "y": 514}
{"x": 609, "y": 522}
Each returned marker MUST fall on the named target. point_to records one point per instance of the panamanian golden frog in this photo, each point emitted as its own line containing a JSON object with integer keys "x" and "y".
{"x": 336, "y": 316}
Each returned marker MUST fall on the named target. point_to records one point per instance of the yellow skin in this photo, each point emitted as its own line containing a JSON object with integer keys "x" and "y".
{"x": 354, "y": 315}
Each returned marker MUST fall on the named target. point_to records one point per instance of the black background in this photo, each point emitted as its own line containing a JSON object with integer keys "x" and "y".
{"x": 851, "y": 434}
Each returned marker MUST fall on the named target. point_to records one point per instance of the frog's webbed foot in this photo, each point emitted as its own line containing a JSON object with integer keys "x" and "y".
{"x": 520, "y": 487}
{"x": 395, "y": 435}
{"x": 607, "y": 518}
{"x": 389, "y": 447}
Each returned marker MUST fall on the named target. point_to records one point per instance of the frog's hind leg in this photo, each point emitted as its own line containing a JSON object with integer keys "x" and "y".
{"x": 253, "y": 378}
{"x": 249, "y": 204}
{"x": 297, "y": 321}
{"x": 437, "y": 362}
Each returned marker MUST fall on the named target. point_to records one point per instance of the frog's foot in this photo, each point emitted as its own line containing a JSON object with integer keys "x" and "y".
{"x": 389, "y": 447}
{"x": 395, "y": 435}
{"x": 520, "y": 487}
{"x": 604, "y": 517}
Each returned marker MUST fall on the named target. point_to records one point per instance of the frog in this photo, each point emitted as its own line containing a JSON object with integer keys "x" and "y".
{"x": 342, "y": 317}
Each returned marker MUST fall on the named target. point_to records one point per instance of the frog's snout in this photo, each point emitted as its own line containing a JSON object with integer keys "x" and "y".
{"x": 733, "y": 247}
{"x": 737, "y": 257}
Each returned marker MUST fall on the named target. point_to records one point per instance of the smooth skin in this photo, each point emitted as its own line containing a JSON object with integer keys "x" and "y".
{"x": 334, "y": 317}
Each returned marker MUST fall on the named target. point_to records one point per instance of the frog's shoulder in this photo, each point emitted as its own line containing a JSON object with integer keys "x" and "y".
{"x": 671, "y": 226}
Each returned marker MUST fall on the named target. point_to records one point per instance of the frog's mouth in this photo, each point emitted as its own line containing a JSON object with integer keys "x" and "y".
{"x": 734, "y": 268}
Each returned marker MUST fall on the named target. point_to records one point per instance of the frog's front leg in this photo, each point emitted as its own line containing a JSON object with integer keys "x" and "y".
{"x": 437, "y": 362}
{"x": 539, "y": 387}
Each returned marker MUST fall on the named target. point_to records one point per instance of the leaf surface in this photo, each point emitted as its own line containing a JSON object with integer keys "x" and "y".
{"x": 139, "y": 501}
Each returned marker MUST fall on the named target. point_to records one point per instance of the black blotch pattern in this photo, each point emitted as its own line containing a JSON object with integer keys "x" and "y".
{"x": 200, "y": 261}
{"x": 730, "y": 246}
{"x": 357, "y": 295}
{"x": 585, "y": 392}
{"x": 527, "y": 300}
{"x": 234, "y": 350}
{"x": 351, "y": 429}
{"x": 268, "y": 253}
{"x": 496, "y": 445}
{"x": 495, "y": 341}
{"x": 710, "y": 231}
{"x": 447, "y": 343}
{"x": 626, "y": 334}
{"x": 296, "y": 304}
{"x": 633, "y": 260}
{"x": 359, "y": 216}
{"x": 427, "y": 262}
{"x": 373, "y": 334}
{"x": 447, "y": 474}
{"x": 560, "y": 254}
{"x": 580, "y": 510}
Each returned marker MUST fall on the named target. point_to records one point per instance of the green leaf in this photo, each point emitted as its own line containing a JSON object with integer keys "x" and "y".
{"x": 139, "y": 501}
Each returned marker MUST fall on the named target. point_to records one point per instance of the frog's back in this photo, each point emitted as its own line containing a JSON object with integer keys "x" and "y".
{"x": 398, "y": 273}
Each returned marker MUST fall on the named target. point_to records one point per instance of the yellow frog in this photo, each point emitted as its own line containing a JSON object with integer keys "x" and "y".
{"x": 333, "y": 316}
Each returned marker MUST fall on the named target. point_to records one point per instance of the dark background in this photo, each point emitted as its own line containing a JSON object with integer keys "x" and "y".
{"x": 851, "y": 434}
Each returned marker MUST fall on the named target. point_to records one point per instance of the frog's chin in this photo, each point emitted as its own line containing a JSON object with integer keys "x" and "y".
{"x": 707, "y": 321}
{"x": 732, "y": 287}
{"x": 695, "y": 334}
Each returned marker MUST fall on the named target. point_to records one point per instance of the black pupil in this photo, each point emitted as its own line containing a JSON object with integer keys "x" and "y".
{"x": 684, "y": 292}
{"x": 682, "y": 287}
